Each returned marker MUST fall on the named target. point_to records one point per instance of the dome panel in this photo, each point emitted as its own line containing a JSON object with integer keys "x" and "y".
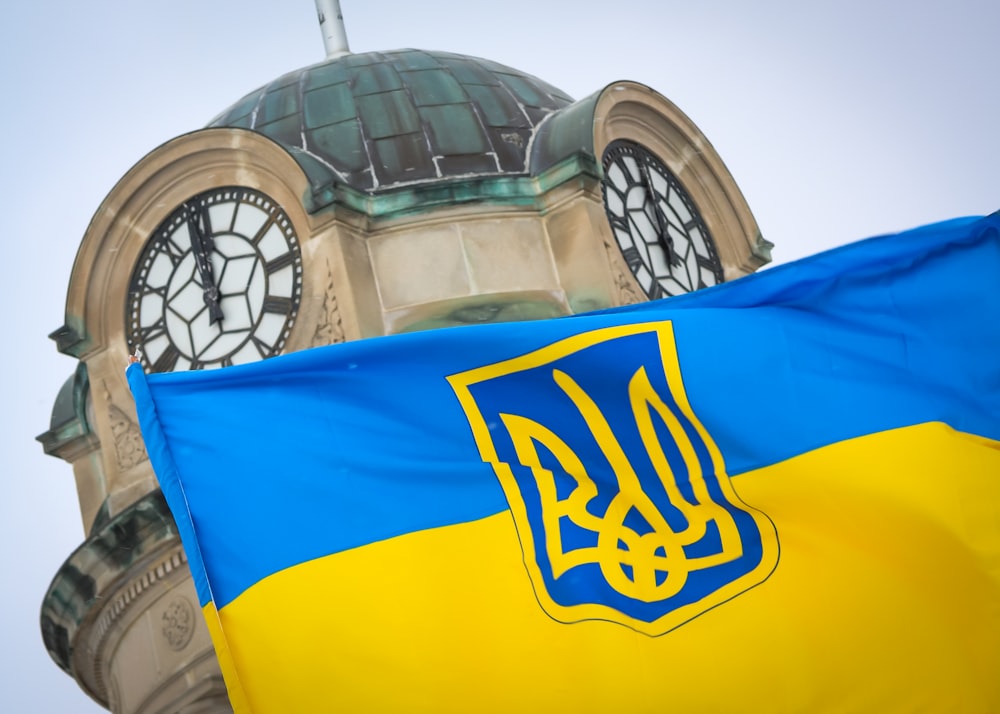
{"x": 379, "y": 120}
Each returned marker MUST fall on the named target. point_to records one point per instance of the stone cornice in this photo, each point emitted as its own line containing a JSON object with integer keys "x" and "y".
{"x": 101, "y": 581}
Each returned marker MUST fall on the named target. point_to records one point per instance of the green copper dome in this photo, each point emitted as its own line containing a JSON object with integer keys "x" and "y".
{"x": 381, "y": 120}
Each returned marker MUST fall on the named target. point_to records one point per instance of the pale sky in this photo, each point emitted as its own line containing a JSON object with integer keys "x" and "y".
{"x": 838, "y": 120}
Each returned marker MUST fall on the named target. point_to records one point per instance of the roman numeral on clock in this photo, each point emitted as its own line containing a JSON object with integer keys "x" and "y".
{"x": 278, "y": 263}
{"x": 277, "y": 305}
{"x": 168, "y": 360}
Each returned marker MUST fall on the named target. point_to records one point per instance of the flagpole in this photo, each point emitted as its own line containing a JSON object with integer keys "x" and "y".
{"x": 331, "y": 23}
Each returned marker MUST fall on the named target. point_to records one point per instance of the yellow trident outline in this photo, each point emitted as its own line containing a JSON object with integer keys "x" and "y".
{"x": 662, "y": 549}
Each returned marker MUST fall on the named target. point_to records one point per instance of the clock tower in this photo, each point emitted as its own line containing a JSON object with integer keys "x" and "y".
{"x": 365, "y": 195}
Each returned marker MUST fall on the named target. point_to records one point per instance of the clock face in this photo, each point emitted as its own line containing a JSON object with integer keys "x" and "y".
{"x": 661, "y": 235}
{"x": 217, "y": 284}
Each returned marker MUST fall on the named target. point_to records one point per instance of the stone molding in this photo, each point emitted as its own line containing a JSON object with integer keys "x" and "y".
{"x": 628, "y": 110}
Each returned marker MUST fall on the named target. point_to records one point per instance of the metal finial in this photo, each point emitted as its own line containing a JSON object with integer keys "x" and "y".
{"x": 331, "y": 23}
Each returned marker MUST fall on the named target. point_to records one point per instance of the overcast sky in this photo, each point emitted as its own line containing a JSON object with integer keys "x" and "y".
{"x": 838, "y": 120}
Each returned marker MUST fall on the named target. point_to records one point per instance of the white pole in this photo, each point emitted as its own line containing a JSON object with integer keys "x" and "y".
{"x": 331, "y": 24}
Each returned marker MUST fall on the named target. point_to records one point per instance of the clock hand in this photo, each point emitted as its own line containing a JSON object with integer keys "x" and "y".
{"x": 661, "y": 220}
{"x": 202, "y": 246}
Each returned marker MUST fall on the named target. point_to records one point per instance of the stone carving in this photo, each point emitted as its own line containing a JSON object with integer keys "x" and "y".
{"x": 178, "y": 623}
{"x": 330, "y": 329}
{"x": 624, "y": 284}
{"x": 129, "y": 447}
{"x": 127, "y": 597}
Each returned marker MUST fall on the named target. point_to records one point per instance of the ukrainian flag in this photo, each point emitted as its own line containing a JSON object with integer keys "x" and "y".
{"x": 780, "y": 494}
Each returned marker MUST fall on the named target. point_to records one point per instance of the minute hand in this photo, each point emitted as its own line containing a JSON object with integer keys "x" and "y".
{"x": 661, "y": 220}
{"x": 201, "y": 247}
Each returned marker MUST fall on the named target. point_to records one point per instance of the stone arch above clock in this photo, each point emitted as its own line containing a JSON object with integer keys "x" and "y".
{"x": 143, "y": 198}
{"x": 95, "y": 325}
{"x": 633, "y": 112}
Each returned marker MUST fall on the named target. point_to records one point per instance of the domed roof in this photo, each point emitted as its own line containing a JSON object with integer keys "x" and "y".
{"x": 380, "y": 120}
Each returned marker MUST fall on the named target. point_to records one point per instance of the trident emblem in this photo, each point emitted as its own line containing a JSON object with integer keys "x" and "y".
{"x": 619, "y": 495}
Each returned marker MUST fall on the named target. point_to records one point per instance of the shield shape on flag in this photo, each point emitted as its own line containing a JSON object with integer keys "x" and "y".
{"x": 620, "y": 497}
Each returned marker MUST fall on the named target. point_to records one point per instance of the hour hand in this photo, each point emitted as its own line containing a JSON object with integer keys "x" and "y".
{"x": 201, "y": 247}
